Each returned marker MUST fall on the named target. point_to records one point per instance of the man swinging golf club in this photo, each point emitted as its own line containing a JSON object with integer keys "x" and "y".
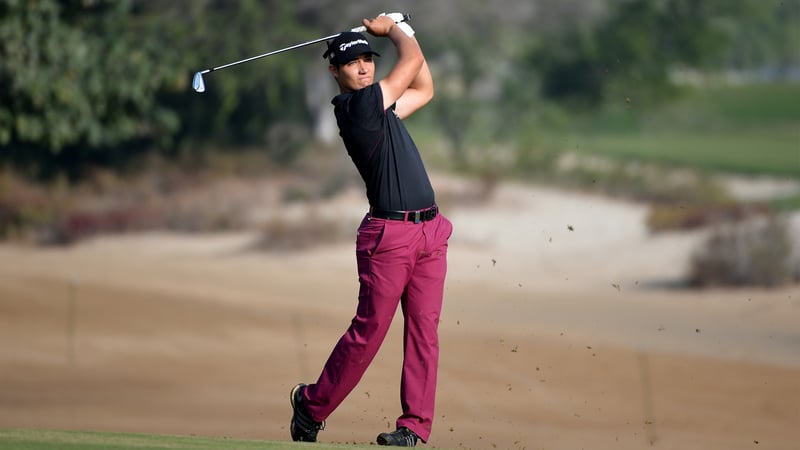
{"x": 401, "y": 248}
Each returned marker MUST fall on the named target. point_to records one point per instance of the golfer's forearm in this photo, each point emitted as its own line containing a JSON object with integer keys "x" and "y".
{"x": 408, "y": 50}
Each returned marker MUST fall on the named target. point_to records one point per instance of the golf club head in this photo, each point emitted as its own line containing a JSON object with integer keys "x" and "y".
{"x": 197, "y": 82}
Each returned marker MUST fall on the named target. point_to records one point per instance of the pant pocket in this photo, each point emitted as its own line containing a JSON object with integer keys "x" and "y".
{"x": 445, "y": 229}
{"x": 369, "y": 236}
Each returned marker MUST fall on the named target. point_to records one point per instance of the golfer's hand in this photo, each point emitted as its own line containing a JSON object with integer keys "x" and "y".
{"x": 379, "y": 26}
{"x": 400, "y": 21}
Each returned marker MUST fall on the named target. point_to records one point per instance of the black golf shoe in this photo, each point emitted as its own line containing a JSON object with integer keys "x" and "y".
{"x": 403, "y": 437}
{"x": 303, "y": 427}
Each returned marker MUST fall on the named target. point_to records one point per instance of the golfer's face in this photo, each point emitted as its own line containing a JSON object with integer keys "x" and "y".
{"x": 357, "y": 74}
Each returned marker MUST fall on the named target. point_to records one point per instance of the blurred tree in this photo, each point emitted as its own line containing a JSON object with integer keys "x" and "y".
{"x": 471, "y": 46}
{"x": 768, "y": 42}
{"x": 636, "y": 46}
{"x": 241, "y": 104}
{"x": 76, "y": 85}
{"x": 101, "y": 82}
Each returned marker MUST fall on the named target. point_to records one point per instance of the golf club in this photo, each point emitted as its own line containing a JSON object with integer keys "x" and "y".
{"x": 200, "y": 86}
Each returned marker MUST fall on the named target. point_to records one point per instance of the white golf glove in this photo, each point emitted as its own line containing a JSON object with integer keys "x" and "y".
{"x": 399, "y": 20}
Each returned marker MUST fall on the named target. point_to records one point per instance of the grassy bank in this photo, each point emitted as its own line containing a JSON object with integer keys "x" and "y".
{"x": 752, "y": 129}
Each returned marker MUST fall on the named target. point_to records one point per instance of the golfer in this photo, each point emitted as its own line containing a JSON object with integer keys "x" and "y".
{"x": 401, "y": 248}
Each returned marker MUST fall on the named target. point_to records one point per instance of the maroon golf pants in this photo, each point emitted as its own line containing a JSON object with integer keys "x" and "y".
{"x": 399, "y": 262}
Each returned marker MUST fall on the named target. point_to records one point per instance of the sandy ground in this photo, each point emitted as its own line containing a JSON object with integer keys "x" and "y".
{"x": 565, "y": 327}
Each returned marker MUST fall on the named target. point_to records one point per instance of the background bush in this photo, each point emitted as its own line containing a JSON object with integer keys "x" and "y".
{"x": 758, "y": 252}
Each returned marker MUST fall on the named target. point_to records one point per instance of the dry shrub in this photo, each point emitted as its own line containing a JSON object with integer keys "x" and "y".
{"x": 284, "y": 233}
{"x": 24, "y": 207}
{"x": 688, "y": 217}
{"x": 751, "y": 253}
{"x": 167, "y": 198}
{"x": 82, "y": 224}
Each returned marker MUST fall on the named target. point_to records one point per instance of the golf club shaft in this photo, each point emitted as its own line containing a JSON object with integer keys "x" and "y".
{"x": 274, "y": 52}
{"x": 199, "y": 85}
{"x": 360, "y": 29}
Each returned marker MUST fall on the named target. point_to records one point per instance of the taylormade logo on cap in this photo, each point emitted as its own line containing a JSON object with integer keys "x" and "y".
{"x": 347, "y": 45}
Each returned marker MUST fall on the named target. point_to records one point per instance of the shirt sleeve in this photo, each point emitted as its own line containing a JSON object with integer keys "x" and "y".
{"x": 366, "y": 108}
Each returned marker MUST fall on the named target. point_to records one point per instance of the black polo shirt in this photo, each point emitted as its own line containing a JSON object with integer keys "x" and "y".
{"x": 383, "y": 151}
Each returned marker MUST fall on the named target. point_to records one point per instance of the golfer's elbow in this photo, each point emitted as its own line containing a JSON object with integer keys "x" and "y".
{"x": 428, "y": 95}
{"x": 424, "y": 83}
{"x": 429, "y": 89}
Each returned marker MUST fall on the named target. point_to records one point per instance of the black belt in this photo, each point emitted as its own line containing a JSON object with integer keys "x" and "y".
{"x": 410, "y": 216}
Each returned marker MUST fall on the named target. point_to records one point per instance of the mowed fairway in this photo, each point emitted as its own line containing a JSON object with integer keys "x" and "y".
{"x": 552, "y": 337}
{"x": 63, "y": 440}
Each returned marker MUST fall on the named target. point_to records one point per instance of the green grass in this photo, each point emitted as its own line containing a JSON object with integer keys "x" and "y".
{"x": 753, "y": 129}
{"x": 79, "y": 440}
{"x": 773, "y": 151}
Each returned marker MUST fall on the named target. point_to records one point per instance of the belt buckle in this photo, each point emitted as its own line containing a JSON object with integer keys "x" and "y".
{"x": 416, "y": 216}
